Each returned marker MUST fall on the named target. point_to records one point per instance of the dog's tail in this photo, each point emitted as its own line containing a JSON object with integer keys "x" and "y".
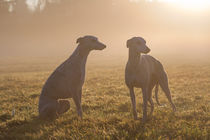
{"x": 156, "y": 94}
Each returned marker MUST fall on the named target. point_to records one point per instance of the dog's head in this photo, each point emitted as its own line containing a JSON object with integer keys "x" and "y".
{"x": 91, "y": 43}
{"x": 138, "y": 44}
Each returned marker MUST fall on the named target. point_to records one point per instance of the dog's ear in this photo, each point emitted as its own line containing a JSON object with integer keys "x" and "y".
{"x": 128, "y": 43}
{"x": 79, "y": 40}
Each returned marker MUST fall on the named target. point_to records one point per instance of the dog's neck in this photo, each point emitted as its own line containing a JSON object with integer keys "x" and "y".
{"x": 134, "y": 57}
{"x": 80, "y": 55}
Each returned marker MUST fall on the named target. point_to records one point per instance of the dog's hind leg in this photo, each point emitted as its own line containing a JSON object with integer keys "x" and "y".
{"x": 150, "y": 98}
{"x": 156, "y": 94}
{"x": 163, "y": 81}
{"x": 152, "y": 106}
{"x": 48, "y": 112}
{"x": 63, "y": 106}
{"x": 145, "y": 99}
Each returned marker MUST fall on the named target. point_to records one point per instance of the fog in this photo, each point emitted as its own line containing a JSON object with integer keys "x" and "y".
{"x": 49, "y": 28}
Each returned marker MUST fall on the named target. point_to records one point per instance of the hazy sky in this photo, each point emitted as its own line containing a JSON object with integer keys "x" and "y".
{"x": 51, "y": 28}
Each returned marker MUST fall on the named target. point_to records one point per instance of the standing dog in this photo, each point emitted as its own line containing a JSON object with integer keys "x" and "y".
{"x": 144, "y": 71}
{"x": 67, "y": 81}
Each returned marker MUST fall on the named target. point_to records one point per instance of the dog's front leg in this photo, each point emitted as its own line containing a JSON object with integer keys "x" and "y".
{"x": 77, "y": 102}
{"x": 133, "y": 100}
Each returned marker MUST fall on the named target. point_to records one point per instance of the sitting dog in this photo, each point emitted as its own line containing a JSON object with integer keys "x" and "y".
{"x": 67, "y": 81}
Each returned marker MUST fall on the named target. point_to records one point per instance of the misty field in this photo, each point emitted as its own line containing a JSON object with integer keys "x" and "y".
{"x": 106, "y": 105}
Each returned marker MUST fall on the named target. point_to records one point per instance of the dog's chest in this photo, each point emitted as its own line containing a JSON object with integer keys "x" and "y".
{"x": 134, "y": 77}
{"x": 136, "y": 80}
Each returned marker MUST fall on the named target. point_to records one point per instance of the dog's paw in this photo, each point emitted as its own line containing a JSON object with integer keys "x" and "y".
{"x": 162, "y": 105}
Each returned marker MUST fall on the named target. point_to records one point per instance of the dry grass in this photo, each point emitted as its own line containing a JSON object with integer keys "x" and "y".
{"x": 106, "y": 105}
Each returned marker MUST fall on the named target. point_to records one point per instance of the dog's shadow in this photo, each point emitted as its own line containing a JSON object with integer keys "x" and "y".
{"x": 16, "y": 129}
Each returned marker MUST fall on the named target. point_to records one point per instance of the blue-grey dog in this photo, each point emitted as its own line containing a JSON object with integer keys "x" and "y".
{"x": 144, "y": 71}
{"x": 67, "y": 81}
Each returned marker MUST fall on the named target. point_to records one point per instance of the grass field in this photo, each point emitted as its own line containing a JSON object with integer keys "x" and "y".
{"x": 106, "y": 105}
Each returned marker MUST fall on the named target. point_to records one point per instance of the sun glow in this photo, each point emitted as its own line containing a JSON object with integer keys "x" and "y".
{"x": 196, "y": 5}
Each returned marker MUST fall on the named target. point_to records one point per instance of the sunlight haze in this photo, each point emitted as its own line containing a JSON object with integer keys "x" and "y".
{"x": 49, "y": 28}
{"x": 104, "y": 69}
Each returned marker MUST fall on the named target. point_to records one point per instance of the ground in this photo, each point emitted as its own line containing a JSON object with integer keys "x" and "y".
{"x": 106, "y": 105}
